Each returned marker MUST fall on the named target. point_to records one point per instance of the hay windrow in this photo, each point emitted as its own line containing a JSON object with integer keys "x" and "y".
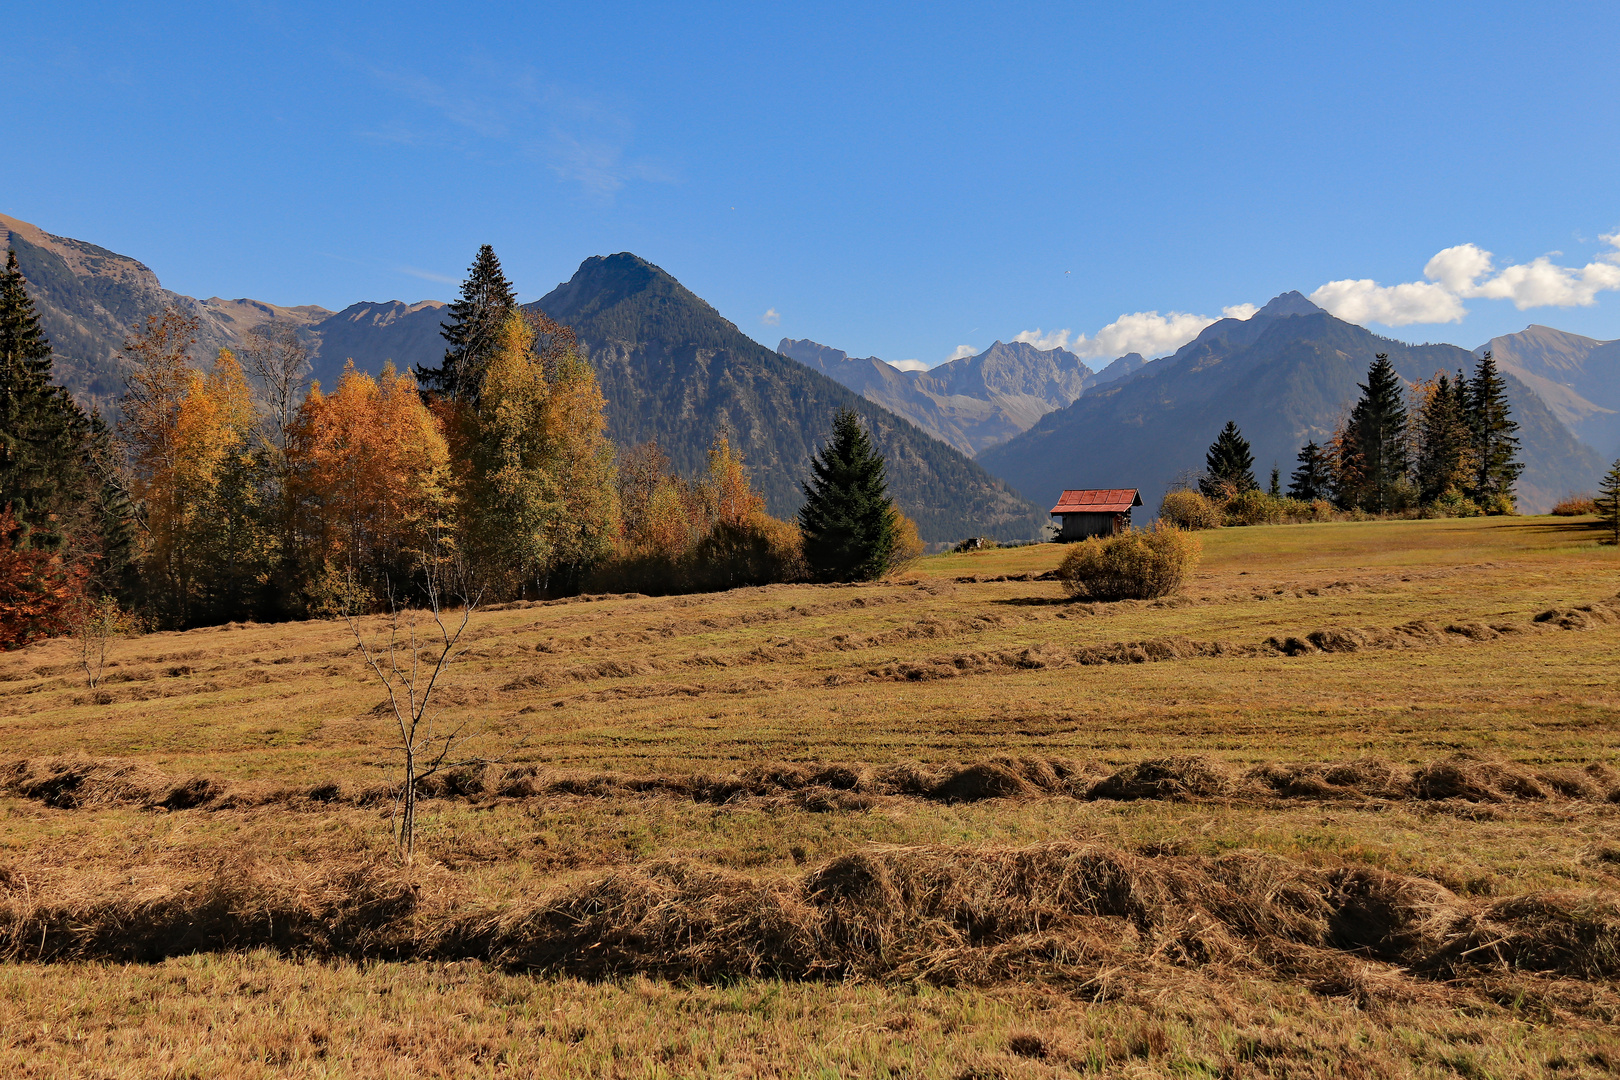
{"x": 83, "y": 783}
{"x": 943, "y": 915}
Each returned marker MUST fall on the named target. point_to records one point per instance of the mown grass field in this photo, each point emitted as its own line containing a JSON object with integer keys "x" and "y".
{"x": 1348, "y": 805}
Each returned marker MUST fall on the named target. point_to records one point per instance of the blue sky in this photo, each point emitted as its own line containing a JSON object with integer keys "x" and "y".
{"x": 897, "y": 180}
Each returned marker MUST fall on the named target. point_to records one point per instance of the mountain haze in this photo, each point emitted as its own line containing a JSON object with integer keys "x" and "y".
{"x": 1286, "y": 375}
{"x": 970, "y": 403}
{"x": 674, "y": 370}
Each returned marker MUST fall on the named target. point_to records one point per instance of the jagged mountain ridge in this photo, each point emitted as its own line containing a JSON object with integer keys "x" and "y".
{"x": 90, "y": 300}
{"x": 1286, "y": 376}
{"x": 674, "y": 370}
{"x": 971, "y": 403}
{"x": 1578, "y": 377}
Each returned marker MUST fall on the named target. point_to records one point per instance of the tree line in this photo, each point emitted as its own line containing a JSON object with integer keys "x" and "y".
{"x": 1448, "y": 445}
{"x": 243, "y": 491}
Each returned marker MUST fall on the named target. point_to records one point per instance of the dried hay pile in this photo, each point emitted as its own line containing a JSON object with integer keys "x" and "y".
{"x": 1067, "y": 911}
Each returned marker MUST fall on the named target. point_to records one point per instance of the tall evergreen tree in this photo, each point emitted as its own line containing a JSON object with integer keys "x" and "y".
{"x": 1378, "y": 427}
{"x": 1314, "y": 478}
{"x": 1608, "y": 502}
{"x": 1443, "y": 440}
{"x": 1229, "y": 464}
{"x": 473, "y": 330}
{"x": 850, "y": 526}
{"x": 1495, "y": 446}
{"x": 43, "y": 432}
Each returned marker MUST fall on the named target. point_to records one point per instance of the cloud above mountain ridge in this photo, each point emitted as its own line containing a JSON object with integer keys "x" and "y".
{"x": 1468, "y": 272}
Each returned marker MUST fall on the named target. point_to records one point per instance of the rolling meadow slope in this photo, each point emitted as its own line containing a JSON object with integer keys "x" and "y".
{"x": 1354, "y": 794}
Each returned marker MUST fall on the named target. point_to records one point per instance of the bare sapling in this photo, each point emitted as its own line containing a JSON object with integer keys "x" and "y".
{"x": 95, "y": 624}
{"x": 411, "y": 656}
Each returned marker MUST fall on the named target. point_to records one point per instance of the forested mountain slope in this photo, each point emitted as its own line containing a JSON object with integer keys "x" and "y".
{"x": 672, "y": 369}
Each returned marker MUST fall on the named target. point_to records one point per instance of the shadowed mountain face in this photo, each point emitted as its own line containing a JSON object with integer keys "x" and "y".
{"x": 672, "y": 369}
{"x": 1286, "y": 376}
{"x": 373, "y": 333}
{"x": 971, "y": 403}
{"x": 1578, "y": 377}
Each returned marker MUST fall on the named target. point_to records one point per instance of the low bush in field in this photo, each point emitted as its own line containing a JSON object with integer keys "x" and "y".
{"x": 1190, "y": 510}
{"x": 1576, "y": 505}
{"x": 1253, "y": 507}
{"x": 1137, "y": 565}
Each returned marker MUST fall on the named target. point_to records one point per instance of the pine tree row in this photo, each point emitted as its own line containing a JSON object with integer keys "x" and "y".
{"x": 1449, "y": 445}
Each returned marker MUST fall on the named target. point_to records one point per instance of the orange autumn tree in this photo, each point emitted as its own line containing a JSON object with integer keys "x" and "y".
{"x": 37, "y": 588}
{"x": 187, "y": 440}
{"x": 681, "y": 536}
{"x": 371, "y": 469}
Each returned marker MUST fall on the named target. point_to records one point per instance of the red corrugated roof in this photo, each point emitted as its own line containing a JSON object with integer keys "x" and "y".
{"x": 1097, "y": 501}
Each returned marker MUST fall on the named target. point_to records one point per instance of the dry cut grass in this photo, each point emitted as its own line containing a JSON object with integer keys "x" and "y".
{"x": 1347, "y": 801}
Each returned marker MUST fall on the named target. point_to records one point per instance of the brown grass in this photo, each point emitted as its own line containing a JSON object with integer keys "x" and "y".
{"x": 1345, "y": 799}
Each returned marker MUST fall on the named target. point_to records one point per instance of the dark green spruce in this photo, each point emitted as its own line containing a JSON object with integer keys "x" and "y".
{"x": 1495, "y": 439}
{"x": 1229, "y": 464}
{"x": 486, "y": 299}
{"x": 1314, "y": 478}
{"x": 1443, "y": 440}
{"x": 848, "y": 521}
{"x": 1608, "y": 503}
{"x": 1378, "y": 429}
{"x": 43, "y": 434}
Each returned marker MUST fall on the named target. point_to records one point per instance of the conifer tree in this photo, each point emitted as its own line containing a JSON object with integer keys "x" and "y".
{"x": 850, "y": 526}
{"x": 1608, "y": 502}
{"x": 1229, "y": 464}
{"x": 473, "y": 330}
{"x": 1314, "y": 478}
{"x": 1495, "y": 446}
{"x": 1442, "y": 439}
{"x": 1274, "y": 489}
{"x": 42, "y": 431}
{"x": 1378, "y": 428}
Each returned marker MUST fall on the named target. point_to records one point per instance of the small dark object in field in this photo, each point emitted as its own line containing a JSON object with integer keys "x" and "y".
{"x": 1029, "y": 1045}
{"x": 191, "y": 793}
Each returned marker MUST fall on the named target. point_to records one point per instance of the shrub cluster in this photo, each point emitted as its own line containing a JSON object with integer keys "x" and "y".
{"x": 1576, "y": 505}
{"x": 1135, "y": 565}
{"x": 1188, "y": 509}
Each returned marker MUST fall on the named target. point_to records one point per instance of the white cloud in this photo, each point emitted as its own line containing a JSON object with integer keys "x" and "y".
{"x": 1241, "y": 312}
{"x": 772, "y": 317}
{"x": 1392, "y": 305}
{"x": 1145, "y": 332}
{"x": 962, "y": 353}
{"x": 1467, "y": 272}
{"x": 907, "y": 365}
{"x": 1057, "y": 339}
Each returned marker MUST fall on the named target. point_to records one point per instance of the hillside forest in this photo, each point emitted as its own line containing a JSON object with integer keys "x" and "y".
{"x": 244, "y": 492}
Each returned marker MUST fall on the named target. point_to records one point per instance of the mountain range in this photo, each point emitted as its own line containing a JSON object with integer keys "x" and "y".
{"x": 1033, "y": 421}
{"x": 670, "y": 367}
{"x": 90, "y": 300}
{"x": 1286, "y": 375}
{"x": 971, "y": 403}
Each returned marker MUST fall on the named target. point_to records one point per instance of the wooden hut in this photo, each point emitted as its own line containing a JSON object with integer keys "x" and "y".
{"x": 1095, "y": 512}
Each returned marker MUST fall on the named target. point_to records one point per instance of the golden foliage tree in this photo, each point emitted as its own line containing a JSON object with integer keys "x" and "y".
{"x": 542, "y": 504}
{"x": 371, "y": 468}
